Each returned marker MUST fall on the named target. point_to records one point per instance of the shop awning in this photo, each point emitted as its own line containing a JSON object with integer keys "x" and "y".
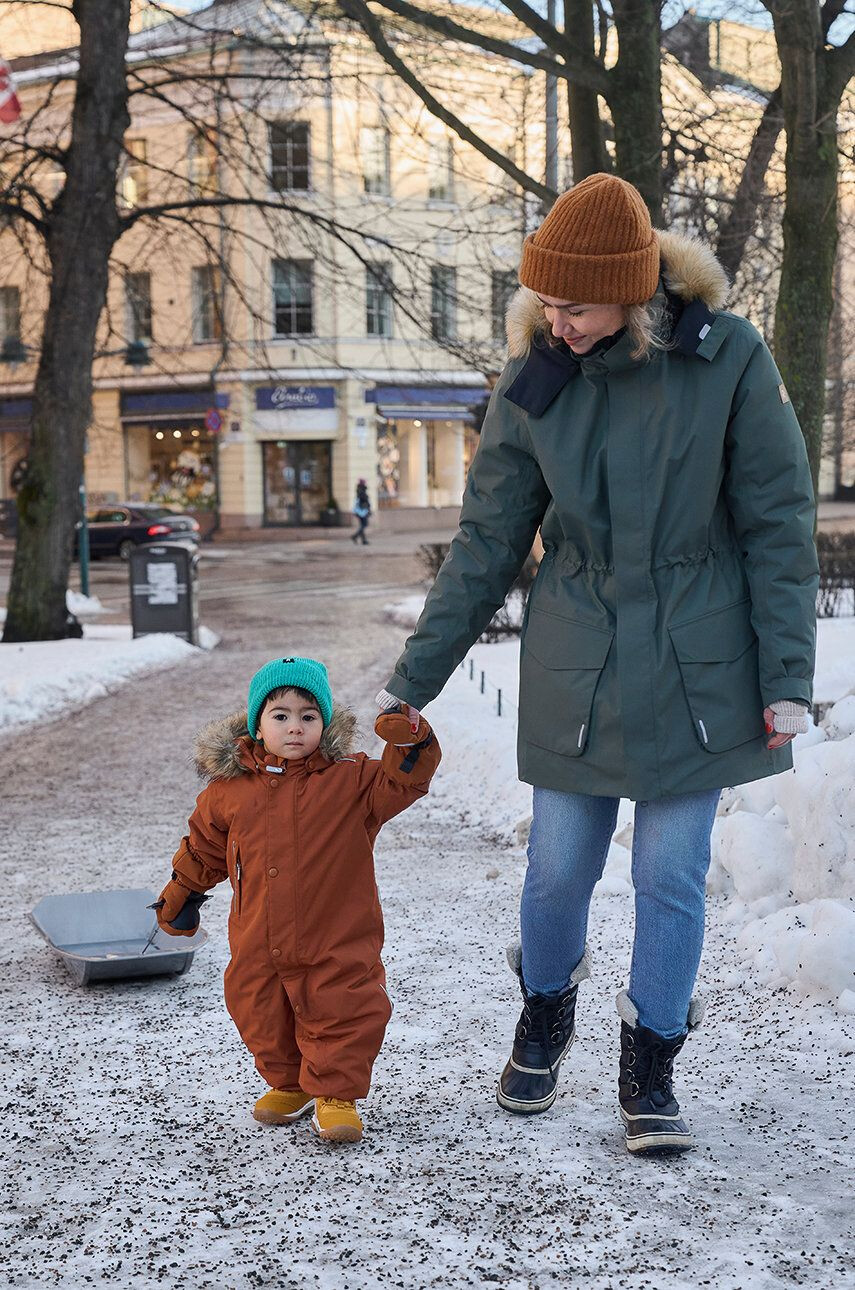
{"x": 427, "y": 402}
{"x": 16, "y": 415}
{"x": 163, "y": 405}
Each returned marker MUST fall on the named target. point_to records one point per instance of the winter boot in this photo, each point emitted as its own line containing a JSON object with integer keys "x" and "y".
{"x": 648, "y": 1107}
{"x": 543, "y": 1037}
{"x": 282, "y": 1105}
{"x": 336, "y": 1120}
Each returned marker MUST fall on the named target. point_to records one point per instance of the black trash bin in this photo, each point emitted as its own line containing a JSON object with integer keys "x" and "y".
{"x": 165, "y": 590}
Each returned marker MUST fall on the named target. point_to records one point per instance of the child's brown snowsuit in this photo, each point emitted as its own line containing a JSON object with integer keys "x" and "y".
{"x": 305, "y": 986}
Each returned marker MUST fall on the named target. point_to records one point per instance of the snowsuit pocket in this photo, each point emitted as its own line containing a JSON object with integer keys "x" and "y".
{"x": 718, "y": 655}
{"x": 237, "y": 879}
{"x": 562, "y": 661}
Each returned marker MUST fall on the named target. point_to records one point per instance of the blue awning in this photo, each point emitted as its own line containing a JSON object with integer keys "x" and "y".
{"x": 166, "y": 403}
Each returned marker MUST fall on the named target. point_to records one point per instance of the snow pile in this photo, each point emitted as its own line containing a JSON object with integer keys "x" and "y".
{"x": 784, "y": 851}
{"x": 77, "y": 604}
{"x": 405, "y": 613}
{"x": 43, "y": 680}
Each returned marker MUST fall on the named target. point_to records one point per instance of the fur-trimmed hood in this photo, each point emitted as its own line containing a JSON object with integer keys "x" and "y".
{"x": 689, "y": 270}
{"x": 219, "y": 752}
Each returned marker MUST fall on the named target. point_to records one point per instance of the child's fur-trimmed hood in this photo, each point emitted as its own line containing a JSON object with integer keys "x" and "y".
{"x": 689, "y": 270}
{"x": 217, "y": 754}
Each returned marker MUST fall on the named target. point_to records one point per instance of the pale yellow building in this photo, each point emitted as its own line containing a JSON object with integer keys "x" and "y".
{"x": 300, "y": 350}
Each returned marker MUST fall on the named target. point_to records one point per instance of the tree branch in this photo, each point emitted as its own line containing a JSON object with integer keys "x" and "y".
{"x": 359, "y": 12}
{"x": 736, "y": 229}
{"x": 585, "y": 71}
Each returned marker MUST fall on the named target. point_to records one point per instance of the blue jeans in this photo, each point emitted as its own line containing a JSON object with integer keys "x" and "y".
{"x": 570, "y": 836}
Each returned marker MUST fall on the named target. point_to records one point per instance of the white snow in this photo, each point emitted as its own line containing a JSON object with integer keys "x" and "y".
{"x": 44, "y": 680}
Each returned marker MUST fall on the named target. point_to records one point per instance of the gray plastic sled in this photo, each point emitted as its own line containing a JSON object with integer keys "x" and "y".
{"x": 101, "y": 935}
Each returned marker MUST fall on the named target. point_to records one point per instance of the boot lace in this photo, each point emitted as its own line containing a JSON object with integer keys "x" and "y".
{"x": 340, "y": 1104}
{"x": 648, "y": 1069}
{"x": 545, "y": 1021}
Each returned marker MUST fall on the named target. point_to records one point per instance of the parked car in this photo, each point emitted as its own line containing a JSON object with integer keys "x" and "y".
{"x": 117, "y": 529}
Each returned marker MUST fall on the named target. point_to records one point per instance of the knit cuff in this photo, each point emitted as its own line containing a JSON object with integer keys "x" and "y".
{"x": 387, "y": 701}
{"x": 791, "y": 718}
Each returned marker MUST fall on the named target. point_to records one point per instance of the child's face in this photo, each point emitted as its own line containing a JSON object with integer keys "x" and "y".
{"x": 290, "y": 727}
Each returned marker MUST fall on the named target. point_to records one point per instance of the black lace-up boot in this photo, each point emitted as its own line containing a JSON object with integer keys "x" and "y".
{"x": 648, "y": 1107}
{"x": 543, "y": 1037}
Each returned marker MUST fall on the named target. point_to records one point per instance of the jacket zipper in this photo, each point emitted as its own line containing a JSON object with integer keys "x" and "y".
{"x": 237, "y": 900}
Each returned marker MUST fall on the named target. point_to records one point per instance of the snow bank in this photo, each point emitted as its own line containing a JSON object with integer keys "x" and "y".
{"x": 44, "y": 680}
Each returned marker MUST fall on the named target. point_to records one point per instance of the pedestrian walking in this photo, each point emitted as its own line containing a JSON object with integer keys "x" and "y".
{"x": 668, "y": 645}
{"x": 289, "y": 816}
{"x": 362, "y": 511}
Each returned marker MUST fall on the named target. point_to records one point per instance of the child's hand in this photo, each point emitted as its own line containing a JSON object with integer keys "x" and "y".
{"x": 389, "y": 703}
{"x": 169, "y": 905}
{"x": 400, "y": 729}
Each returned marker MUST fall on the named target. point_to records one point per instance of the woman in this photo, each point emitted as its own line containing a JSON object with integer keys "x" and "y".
{"x": 671, "y": 627}
{"x": 362, "y": 511}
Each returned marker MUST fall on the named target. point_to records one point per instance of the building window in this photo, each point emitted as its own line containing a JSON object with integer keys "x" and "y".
{"x": 133, "y": 173}
{"x": 10, "y": 314}
{"x": 292, "y": 297}
{"x": 378, "y": 300}
{"x": 138, "y": 303}
{"x": 503, "y": 284}
{"x": 207, "y": 312}
{"x": 441, "y": 171}
{"x": 443, "y": 302}
{"x": 202, "y": 164}
{"x": 289, "y": 155}
{"x": 374, "y": 151}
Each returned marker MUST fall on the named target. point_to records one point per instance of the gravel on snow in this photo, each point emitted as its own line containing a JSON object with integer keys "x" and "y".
{"x": 129, "y": 1154}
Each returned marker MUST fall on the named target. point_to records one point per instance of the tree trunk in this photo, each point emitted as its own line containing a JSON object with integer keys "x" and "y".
{"x": 804, "y": 303}
{"x": 635, "y": 99}
{"x": 737, "y": 228}
{"x": 586, "y": 128}
{"x": 83, "y": 228}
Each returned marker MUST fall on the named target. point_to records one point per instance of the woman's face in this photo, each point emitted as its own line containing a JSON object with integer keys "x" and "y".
{"x": 581, "y": 326}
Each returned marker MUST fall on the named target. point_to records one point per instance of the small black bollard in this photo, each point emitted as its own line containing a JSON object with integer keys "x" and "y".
{"x": 500, "y": 704}
{"x": 471, "y": 669}
{"x": 482, "y": 682}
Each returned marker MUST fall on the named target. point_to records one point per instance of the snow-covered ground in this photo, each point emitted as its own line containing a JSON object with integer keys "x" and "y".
{"x": 43, "y": 680}
{"x": 129, "y": 1157}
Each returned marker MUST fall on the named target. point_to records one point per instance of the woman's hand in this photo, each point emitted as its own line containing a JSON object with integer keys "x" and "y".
{"x": 389, "y": 703}
{"x": 780, "y": 738}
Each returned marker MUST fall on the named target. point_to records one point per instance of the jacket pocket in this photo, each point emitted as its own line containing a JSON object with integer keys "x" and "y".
{"x": 237, "y": 879}
{"x": 562, "y": 661}
{"x": 718, "y": 655}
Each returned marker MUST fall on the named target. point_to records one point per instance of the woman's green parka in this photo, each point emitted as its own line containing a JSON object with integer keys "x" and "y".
{"x": 676, "y": 597}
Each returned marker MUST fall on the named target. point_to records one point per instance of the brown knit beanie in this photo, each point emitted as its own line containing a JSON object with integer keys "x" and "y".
{"x": 595, "y": 247}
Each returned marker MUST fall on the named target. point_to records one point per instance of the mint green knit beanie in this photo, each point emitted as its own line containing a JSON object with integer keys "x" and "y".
{"x": 295, "y": 673}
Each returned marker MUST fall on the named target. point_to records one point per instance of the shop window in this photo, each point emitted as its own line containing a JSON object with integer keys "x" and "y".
{"x": 133, "y": 173}
{"x": 443, "y": 302}
{"x": 292, "y": 297}
{"x": 172, "y": 465}
{"x": 207, "y": 311}
{"x": 441, "y": 171}
{"x": 375, "y": 153}
{"x": 503, "y": 284}
{"x": 388, "y": 464}
{"x": 10, "y": 313}
{"x": 202, "y": 164}
{"x": 378, "y": 300}
{"x": 138, "y": 306}
{"x": 290, "y": 156}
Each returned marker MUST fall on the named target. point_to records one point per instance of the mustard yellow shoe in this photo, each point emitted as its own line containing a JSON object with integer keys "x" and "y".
{"x": 282, "y": 1105}
{"x": 336, "y": 1121}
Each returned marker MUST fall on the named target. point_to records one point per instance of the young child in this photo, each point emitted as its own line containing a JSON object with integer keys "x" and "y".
{"x": 290, "y": 815}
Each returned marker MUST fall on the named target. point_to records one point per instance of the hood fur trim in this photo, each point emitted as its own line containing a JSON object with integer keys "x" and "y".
{"x": 217, "y": 753}
{"x": 689, "y": 268}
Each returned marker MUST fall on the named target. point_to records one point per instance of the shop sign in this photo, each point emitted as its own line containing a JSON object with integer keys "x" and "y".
{"x": 280, "y": 398}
